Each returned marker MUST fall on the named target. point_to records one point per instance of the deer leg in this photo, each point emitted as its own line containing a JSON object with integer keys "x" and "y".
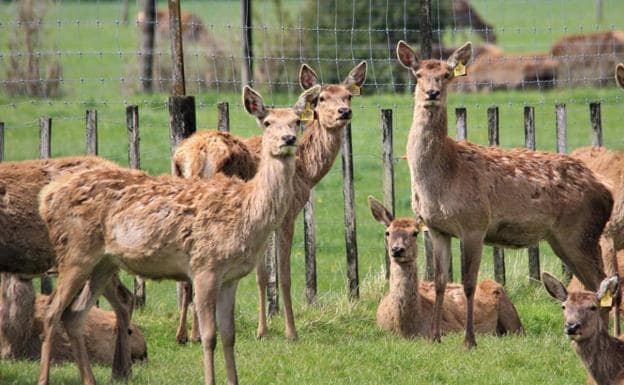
{"x": 261, "y": 282}
{"x": 122, "y": 301}
{"x": 195, "y": 336}
{"x": 205, "y": 299}
{"x": 584, "y": 262}
{"x": 181, "y": 334}
{"x": 473, "y": 248}
{"x": 284, "y": 241}
{"x": 69, "y": 283}
{"x": 225, "y": 312}
{"x": 441, "y": 253}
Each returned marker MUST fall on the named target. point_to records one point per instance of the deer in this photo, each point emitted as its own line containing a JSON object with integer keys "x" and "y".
{"x": 584, "y": 314}
{"x": 209, "y": 152}
{"x": 21, "y": 315}
{"x": 25, "y": 248}
{"x": 407, "y": 308}
{"x": 504, "y": 197}
{"x": 209, "y": 233}
{"x": 464, "y": 15}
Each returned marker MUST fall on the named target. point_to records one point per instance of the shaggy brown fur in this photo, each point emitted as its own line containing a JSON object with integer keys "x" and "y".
{"x": 318, "y": 149}
{"x": 589, "y": 58}
{"x": 546, "y": 196}
{"x": 21, "y": 327}
{"x": 25, "y": 248}
{"x": 584, "y": 324}
{"x": 407, "y": 309}
{"x": 207, "y": 232}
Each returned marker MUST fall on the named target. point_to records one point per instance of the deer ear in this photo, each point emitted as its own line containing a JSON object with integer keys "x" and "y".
{"x": 253, "y": 103}
{"x": 619, "y": 74}
{"x": 307, "y": 99}
{"x": 380, "y": 212}
{"x": 407, "y": 56}
{"x": 461, "y": 55}
{"x": 607, "y": 287}
{"x": 554, "y": 287}
{"x": 307, "y": 77}
{"x": 357, "y": 76}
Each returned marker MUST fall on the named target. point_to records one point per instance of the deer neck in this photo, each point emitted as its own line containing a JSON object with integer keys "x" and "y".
{"x": 318, "y": 149}
{"x": 404, "y": 288}
{"x": 602, "y": 356}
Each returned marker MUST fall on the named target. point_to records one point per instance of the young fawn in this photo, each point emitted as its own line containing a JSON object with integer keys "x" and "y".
{"x": 584, "y": 323}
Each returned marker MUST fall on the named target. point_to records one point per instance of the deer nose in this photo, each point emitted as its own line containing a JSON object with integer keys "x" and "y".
{"x": 289, "y": 140}
{"x": 345, "y": 112}
{"x": 571, "y": 328}
{"x": 397, "y": 251}
{"x": 433, "y": 94}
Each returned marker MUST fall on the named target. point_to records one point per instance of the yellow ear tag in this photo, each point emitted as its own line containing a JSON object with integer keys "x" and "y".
{"x": 459, "y": 70}
{"x": 607, "y": 299}
{"x": 354, "y": 89}
{"x": 308, "y": 113}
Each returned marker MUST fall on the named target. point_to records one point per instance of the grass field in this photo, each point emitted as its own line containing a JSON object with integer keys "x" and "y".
{"x": 339, "y": 341}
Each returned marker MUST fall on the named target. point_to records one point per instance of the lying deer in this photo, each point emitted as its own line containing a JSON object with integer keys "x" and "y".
{"x": 584, "y": 314}
{"x": 408, "y": 307}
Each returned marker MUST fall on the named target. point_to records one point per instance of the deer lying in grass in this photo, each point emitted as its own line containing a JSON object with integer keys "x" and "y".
{"x": 21, "y": 325}
{"x": 210, "y": 152}
{"x": 407, "y": 308}
{"x": 207, "y": 232}
{"x": 25, "y": 248}
{"x": 584, "y": 324}
{"x": 510, "y": 198}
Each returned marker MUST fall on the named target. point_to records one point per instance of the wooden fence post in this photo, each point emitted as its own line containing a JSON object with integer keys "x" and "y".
{"x": 561, "y": 119}
{"x": 493, "y": 138}
{"x": 596, "y": 123}
{"x": 388, "y": 170}
{"x": 426, "y": 34}
{"x": 92, "y": 137}
{"x": 309, "y": 237}
{"x": 247, "y": 62}
{"x": 45, "y": 152}
{"x": 148, "y": 31}
{"x": 223, "y": 116}
{"x": 461, "y": 124}
{"x": 1, "y": 141}
{"x": 529, "y": 142}
{"x": 349, "y": 214}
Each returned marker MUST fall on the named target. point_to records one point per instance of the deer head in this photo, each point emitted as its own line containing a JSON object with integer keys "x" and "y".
{"x": 401, "y": 233}
{"x": 280, "y": 124}
{"x": 619, "y": 74}
{"x": 333, "y": 110}
{"x": 432, "y": 76}
{"x": 583, "y": 314}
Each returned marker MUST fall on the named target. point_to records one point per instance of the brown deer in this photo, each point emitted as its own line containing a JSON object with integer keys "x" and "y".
{"x": 209, "y": 152}
{"x": 464, "y": 15}
{"x": 584, "y": 324}
{"x": 25, "y": 248}
{"x": 510, "y": 198}
{"x": 21, "y": 325}
{"x": 407, "y": 308}
{"x": 193, "y": 28}
{"x": 207, "y": 232}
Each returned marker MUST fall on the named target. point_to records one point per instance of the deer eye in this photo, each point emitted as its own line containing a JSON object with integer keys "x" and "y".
{"x": 350, "y": 97}
{"x": 415, "y": 233}
{"x": 418, "y": 75}
{"x": 321, "y": 98}
{"x": 563, "y": 307}
{"x": 266, "y": 124}
{"x": 447, "y": 75}
{"x": 387, "y": 233}
{"x": 298, "y": 122}
{"x": 593, "y": 307}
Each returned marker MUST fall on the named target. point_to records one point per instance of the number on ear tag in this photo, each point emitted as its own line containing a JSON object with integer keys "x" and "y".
{"x": 354, "y": 89}
{"x": 607, "y": 299}
{"x": 308, "y": 113}
{"x": 459, "y": 70}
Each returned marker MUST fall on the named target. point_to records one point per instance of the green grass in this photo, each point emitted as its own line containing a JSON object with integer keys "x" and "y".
{"x": 340, "y": 343}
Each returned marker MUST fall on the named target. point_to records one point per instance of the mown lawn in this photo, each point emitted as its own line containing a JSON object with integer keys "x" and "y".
{"x": 339, "y": 341}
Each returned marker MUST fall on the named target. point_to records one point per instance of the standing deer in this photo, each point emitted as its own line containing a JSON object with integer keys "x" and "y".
{"x": 584, "y": 323}
{"x": 511, "y": 198}
{"x": 210, "y": 152}
{"x": 207, "y": 232}
{"x": 407, "y": 308}
{"x": 25, "y": 248}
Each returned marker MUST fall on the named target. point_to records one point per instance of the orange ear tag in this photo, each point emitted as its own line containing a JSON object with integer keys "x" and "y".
{"x": 607, "y": 299}
{"x": 459, "y": 70}
{"x": 355, "y": 89}
{"x": 308, "y": 113}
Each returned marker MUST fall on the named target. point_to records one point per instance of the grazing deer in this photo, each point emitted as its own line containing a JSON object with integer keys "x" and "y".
{"x": 21, "y": 325}
{"x": 193, "y": 28}
{"x": 25, "y": 248}
{"x": 210, "y": 152}
{"x": 510, "y": 198}
{"x": 584, "y": 323}
{"x": 464, "y": 15}
{"x": 207, "y": 232}
{"x": 407, "y": 308}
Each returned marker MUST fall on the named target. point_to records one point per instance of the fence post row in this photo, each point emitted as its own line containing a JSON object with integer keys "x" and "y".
{"x": 529, "y": 142}
{"x": 562, "y": 148}
{"x": 349, "y": 214}
{"x": 388, "y": 171}
{"x": 92, "y": 138}
{"x": 45, "y": 152}
{"x": 494, "y": 140}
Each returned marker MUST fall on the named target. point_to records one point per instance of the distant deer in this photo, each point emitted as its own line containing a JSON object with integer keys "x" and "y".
{"x": 25, "y": 248}
{"x": 407, "y": 309}
{"x": 511, "y": 198}
{"x": 193, "y": 28}
{"x": 207, "y": 232}
{"x": 584, "y": 324}
{"x": 210, "y": 152}
{"x": 464, "y": 15}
